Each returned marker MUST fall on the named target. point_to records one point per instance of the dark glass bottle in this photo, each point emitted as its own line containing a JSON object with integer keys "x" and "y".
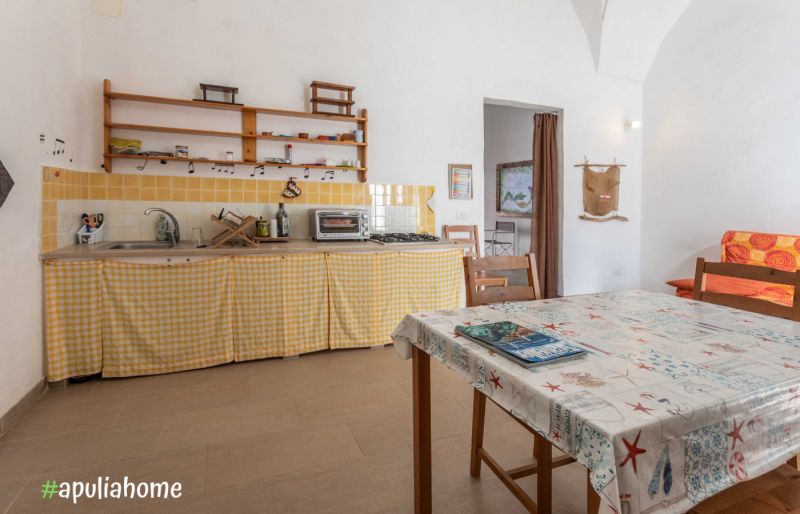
{"x": 283, "y": 221}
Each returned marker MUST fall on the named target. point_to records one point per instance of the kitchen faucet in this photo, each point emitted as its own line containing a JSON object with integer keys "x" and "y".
{"x": 174, "y": 235}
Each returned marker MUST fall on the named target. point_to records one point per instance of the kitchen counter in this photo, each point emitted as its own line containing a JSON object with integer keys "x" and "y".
{"x": 186, "y": 248}
{"x": 234, "y": 304}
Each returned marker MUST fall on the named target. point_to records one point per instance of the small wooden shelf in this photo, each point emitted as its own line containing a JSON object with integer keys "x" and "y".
{"x": 174, "y": 130}
{"x": 310, "y": 141}
{"x": 249, "y": 134}
{"x": 116, "y": 95}
{"x": 223, "y": 162}
{"x": 217, "y": 133}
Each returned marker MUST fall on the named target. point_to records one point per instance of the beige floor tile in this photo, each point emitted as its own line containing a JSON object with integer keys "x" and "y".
{"x": 157, "y": 405}
{"x": 220, "y": 424}
{"x": 185, "y": 466}
{"x": 9, "y": 489}
{"x": 362, "y": 484}
{"x": 481, "y": 497}
{"x": 390, "y": 428}
{"x": 46, "y": 419}
{"x": 383, "y": 356}
{"x": 245, "y": 459}
{"x": 281, "y": 368}
{"x": 315, "y": 405}
{"x": 115, "y": 387}
{"x": 65, "y": 398}
{"x": 59, "y": 452}
{"x": 306, "y": 374}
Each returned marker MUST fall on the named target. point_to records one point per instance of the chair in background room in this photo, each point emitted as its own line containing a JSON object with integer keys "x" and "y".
{"x": 471, "y": 233}
{"x": 503, "y": 239}
{"x": 761, "y": 274}
{"x": 542, "y": 449}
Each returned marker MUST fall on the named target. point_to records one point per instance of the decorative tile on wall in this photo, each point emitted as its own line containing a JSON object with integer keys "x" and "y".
{"x": 123, "y": 197}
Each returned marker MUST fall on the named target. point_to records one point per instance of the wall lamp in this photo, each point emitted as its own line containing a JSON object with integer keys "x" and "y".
{"x": 632, "y": 125}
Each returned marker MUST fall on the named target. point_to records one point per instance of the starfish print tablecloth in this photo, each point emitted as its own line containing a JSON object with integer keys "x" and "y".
{"x": 675, "y": 401}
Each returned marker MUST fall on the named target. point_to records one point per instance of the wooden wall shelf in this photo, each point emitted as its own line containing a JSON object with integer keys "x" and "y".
{"x": 216, "y": 133}
{"x": 249, "y": 135}
{"x": 223, "y": 162}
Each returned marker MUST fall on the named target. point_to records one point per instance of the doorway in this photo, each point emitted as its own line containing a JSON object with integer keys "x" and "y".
{"x": 507, "y": 150}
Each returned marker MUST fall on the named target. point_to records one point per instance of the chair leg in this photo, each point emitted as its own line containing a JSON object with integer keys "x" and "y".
{"x": 478, "y": 418}
{"x": 794, "y": 462}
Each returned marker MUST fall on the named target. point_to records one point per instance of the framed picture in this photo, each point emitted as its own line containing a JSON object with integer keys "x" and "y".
{"x": 515, "y": 189}
{"x": 460, "y": 181}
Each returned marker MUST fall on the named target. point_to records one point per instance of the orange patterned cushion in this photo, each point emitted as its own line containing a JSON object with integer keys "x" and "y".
{"x": 758, "y": 249}
{"x": 777, "y": 251}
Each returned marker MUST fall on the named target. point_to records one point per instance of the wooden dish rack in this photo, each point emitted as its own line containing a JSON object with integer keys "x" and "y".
{"x": 249, "y": 134}
{"x": 233, "y": 232}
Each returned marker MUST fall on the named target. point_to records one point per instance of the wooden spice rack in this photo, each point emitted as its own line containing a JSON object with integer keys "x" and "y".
{"x": 249, "y": 134}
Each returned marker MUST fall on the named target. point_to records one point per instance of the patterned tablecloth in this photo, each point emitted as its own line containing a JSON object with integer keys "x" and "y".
{"x": 676, "y": 401}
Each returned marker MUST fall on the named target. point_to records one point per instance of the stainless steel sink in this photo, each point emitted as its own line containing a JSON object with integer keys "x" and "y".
{"x": 140, "y": 245}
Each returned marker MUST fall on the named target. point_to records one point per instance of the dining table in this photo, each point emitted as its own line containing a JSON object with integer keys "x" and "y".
{"x": 674, "y": 400}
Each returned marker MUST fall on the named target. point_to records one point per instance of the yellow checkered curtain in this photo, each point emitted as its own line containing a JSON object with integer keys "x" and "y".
{"x": 163, "y": 318}
{"x": 430, "y": 280}
{"x": 364, "y": 293}
{"x": 281, "y": 305}
{"x": 73, "y": 318}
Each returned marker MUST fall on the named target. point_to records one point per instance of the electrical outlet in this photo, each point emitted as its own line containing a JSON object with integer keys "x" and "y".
{"x": 461, "y": 216}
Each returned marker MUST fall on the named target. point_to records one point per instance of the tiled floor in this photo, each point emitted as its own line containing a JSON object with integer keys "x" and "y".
{"x": 328, "y": 432}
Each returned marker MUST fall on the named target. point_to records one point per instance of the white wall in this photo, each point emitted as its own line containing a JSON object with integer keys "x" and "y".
{"x": 422, "y": 68}
{"x": 508, "y": 137}
{"x": 39, "y": 52}
{"x": 722, "y": 125}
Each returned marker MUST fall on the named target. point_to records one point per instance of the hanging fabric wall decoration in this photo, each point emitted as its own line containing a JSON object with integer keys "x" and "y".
{"x": 6, "y": 183}
{"x": 601, "y": 192}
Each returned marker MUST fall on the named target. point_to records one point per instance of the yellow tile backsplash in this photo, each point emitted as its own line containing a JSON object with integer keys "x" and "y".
{"x": 61, "y": 184}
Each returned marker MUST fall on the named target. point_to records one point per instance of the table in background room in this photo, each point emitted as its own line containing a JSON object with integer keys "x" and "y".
{"x": 676, "y": 400}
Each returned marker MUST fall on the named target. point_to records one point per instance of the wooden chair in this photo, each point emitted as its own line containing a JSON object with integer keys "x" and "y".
{"x": 542, "y": 449}
{"x": 759, "y": 273}
{"x": 772, "y": 493}
{"x": 472, "y": 231}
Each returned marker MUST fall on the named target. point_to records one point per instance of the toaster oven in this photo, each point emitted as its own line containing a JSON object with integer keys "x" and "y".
{"x": 340, "y": 224}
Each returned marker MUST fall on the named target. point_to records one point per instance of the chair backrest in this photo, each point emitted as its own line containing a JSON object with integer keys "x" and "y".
{"x": 748, "y": 272}
{"x": 469, "y": 230}
{"x": 478, "y": 296}
{"x": 506, "y": 226}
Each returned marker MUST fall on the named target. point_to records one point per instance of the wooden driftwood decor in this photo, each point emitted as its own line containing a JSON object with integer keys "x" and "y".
{"x": 601, "y": 192}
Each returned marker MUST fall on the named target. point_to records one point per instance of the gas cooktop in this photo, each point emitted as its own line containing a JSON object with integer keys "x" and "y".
{"x": 398, "y": 237}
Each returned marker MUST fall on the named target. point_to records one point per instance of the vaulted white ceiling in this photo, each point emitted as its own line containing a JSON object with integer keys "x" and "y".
{"x": 625, "y": 35}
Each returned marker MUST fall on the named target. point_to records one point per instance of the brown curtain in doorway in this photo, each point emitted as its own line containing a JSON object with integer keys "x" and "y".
{"x": 544, "y": 226}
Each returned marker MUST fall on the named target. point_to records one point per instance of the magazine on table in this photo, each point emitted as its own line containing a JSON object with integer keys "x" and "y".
{"x": 522, "y": 345}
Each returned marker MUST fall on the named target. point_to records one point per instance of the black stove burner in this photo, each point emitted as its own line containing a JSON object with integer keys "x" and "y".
{"x": 397, "y": 237}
